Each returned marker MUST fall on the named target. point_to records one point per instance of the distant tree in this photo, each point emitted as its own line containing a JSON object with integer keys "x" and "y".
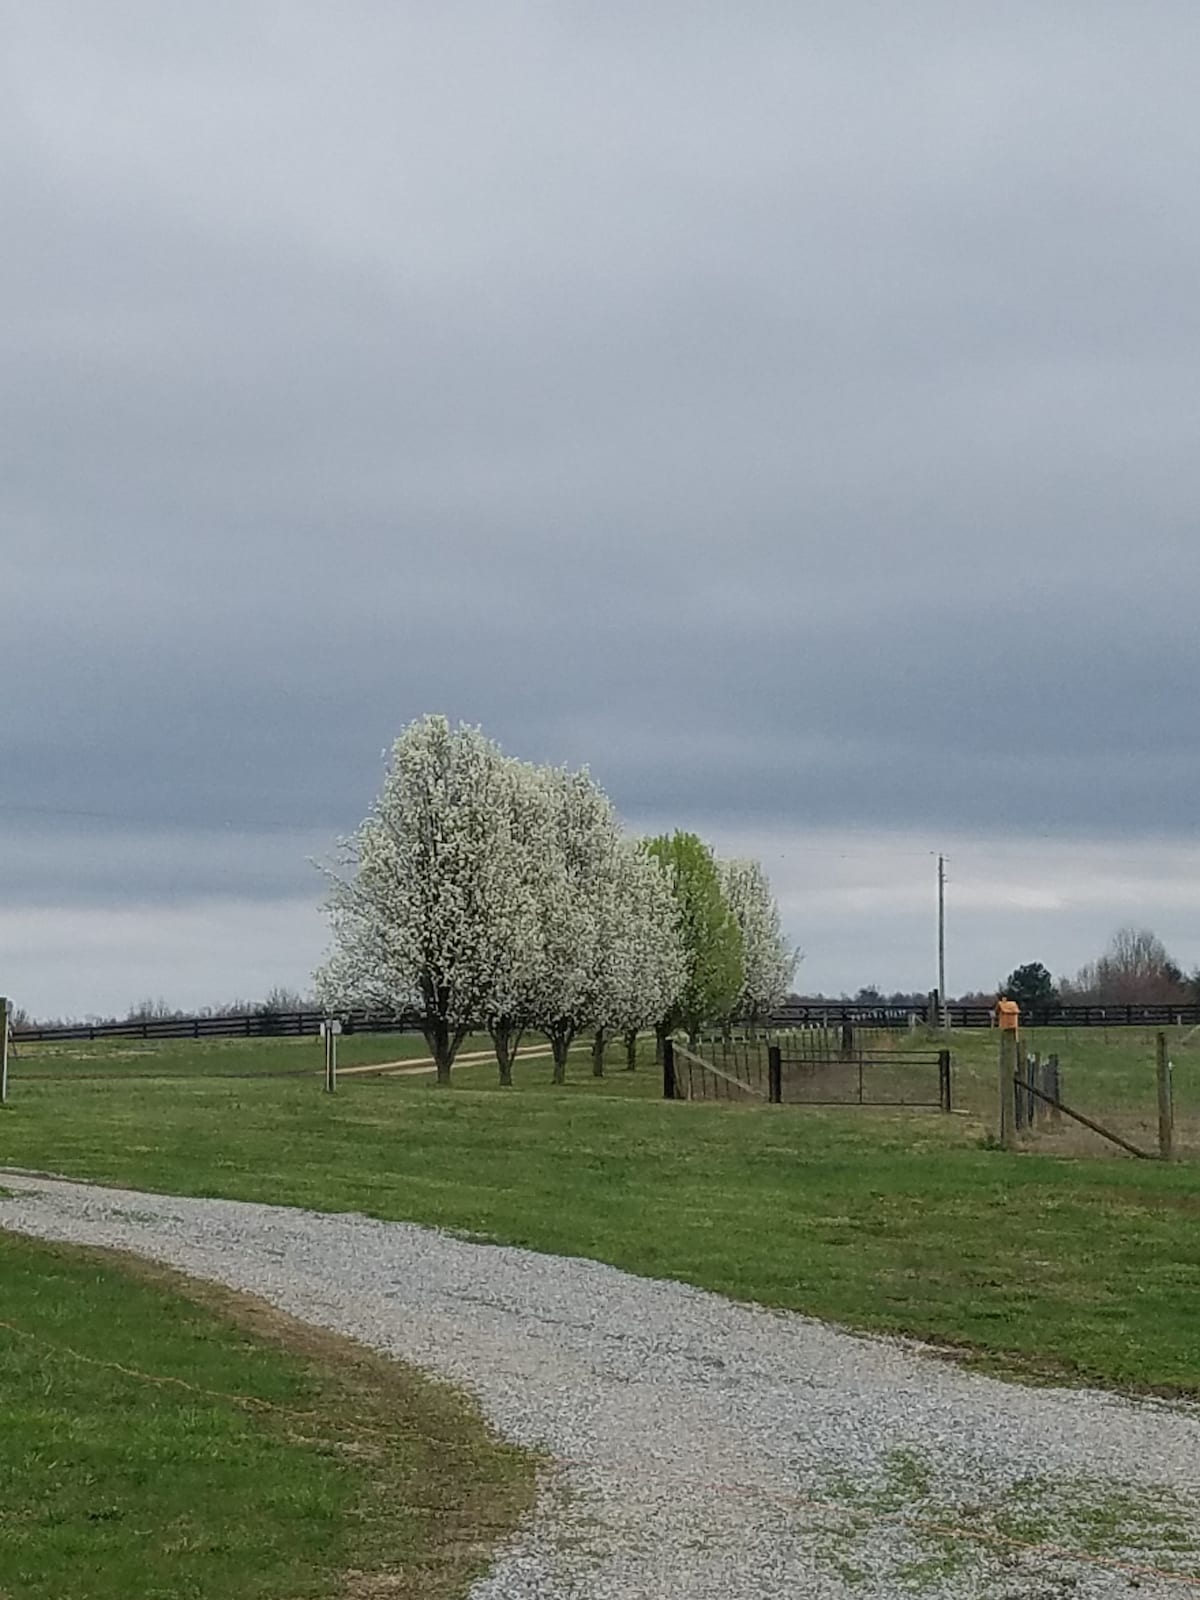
{"x": 869, "y": 995}
{"x": 281, "y": 999}
{"x": 152, "y": 1011}
{"x": 1030, "y": 986}
{"x": 712, "y": 941}
{"x": 1135, "y": 969}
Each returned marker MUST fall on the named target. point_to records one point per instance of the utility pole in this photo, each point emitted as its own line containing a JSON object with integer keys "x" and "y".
{"x": 944, "y": 1019}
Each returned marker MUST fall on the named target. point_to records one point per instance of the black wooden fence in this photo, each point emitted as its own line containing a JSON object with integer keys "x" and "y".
{"x": 800, "y": 1014}
{"x": 832, "y": 1014}
{"x": 252, "y": 1025}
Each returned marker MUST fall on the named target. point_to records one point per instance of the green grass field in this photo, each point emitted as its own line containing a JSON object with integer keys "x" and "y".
{"x": 172, "y": 1441}
{"x": 1084, "y": 1268}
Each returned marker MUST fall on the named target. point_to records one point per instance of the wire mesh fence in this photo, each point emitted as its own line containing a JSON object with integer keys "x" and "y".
{"x": 1138, "y": 1095}
{"x": 716, "y": 1072}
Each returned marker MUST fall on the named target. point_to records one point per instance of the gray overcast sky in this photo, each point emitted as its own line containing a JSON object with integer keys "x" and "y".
{"x": 791, "y": 410}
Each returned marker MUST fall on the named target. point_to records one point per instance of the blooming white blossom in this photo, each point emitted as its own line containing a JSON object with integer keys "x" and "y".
{"x": 434, "y": 877}
{"x": 482, "y": 891}
{"x": 641, "y": 967}
{"x": 519, "y": 944}
{"x": 578, "y": 907}
{"x": 768, "y": 960}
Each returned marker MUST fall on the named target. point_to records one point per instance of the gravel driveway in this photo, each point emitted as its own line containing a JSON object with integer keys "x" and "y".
{"x": 703, "y": 1448}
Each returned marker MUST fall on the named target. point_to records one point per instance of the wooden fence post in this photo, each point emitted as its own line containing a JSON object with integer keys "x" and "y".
{"x": 1054, "y": 1090}
{"x": 774, "y": 1075}
{"x": 944, "y": 1079}
{"x": 668, "y": 1060}
{"x": 4, "y": 1016}
{"x": 1009, "y": 1053}
{"x": 1166, "y": 1104}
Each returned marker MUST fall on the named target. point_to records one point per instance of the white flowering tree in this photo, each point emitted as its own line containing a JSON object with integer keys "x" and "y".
{"x": 768, "y": 960}
{"x": 530, "y": 853}
{"x": 424, "y": 884}
{"x": 641, "y": 970}
{"x": 578, "y": 907}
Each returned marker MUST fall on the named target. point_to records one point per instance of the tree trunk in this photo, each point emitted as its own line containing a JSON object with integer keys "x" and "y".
{"x": 598, "y": 1047}
{"x": 506, "y": 1039}
{"x": 443, "y": 1042}
{"x": 631, "y": 1039}
{"x": 661, "y": 1034}
{"x": 560, "y": 1037}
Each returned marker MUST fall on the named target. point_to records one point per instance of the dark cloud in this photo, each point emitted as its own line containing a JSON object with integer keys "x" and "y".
{"x": 792, "y": 414}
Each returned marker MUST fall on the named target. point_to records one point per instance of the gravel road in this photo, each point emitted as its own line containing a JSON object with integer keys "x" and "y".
{"x": 706, "y": 1450}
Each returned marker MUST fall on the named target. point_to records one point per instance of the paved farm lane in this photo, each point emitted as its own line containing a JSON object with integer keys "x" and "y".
{"x": 702, "y": 1448}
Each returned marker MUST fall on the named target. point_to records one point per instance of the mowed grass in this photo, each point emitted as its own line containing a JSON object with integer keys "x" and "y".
{"x": 235, "y": 1058}
{"x": 1082, "y": 1269}
{"x": 172, "y": 1441}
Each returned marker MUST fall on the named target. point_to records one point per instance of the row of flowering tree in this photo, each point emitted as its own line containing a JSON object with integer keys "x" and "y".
{"x": 485, "y": 892}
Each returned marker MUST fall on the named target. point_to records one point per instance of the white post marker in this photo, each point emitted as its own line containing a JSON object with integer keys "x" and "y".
{"x": 5, "y": 1010}
{"x": 330, "y": 1029}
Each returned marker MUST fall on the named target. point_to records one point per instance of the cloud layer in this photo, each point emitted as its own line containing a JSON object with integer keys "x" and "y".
{"x": 792, "y": 413}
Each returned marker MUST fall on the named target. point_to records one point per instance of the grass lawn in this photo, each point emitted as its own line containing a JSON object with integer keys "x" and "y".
{"x": 182, "y": 1058}
{"x": 1087, "y": 1269}
{"x": 172, "y": 1441}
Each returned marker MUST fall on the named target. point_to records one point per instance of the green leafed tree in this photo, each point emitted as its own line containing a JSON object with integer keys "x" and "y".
{"x": 711, "y": 938}
{"x": 1031, "y": 986}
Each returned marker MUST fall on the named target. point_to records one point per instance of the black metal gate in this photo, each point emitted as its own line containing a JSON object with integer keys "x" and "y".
{"x": 816, "y": 1069}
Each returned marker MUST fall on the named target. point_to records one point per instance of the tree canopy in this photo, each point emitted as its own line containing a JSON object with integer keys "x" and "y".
{"x": 1030, "y": 986}
{"x": 482, "y": 891}
{"x": 712, "y": 941}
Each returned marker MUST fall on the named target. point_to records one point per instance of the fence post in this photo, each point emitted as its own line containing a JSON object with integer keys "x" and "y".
{"x": 1166, "y": 1105}
{"x": 1054, "y": 1088}
{"x": 1009, "y": 1053}
{"x": 774, "y": 1075}
{"x": 944, "y": 1079}
{"x": 847, "y": 1041}
{"x": 1019, "y": 1092}
{"x": 330, "y": 1029}
{"x": 668, "y": 1058}
{"x": 4, "y": 1013}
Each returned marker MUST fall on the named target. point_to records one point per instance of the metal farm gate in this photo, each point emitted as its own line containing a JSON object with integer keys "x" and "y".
{"x": 814, "y": 1068}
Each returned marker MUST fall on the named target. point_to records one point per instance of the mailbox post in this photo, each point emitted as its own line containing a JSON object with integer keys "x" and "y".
{"x": 1008, "y": 1019}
